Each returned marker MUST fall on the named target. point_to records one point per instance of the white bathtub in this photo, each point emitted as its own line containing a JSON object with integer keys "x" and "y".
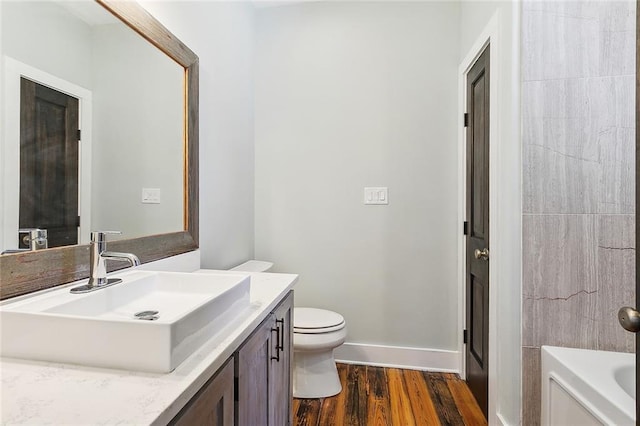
{"x": 584, "y": 387}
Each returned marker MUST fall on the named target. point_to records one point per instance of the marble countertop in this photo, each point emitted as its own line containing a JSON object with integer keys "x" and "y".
{"x": 47, "y": 393}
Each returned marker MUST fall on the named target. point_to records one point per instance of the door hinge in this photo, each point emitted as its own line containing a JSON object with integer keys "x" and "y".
{"x": 236, "y": 391}
{"x": 464, "y": 336}
{"x": 77, "y": 221}
{"x": 466, "y": 119}
{"x": 79, "y": 134}
{"x": 465, "y": 227}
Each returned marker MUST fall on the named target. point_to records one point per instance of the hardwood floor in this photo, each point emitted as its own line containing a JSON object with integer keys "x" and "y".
{"x": 376, "y": 396}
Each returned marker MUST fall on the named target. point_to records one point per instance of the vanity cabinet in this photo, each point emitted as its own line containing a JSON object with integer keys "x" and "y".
{"x": 263, "y": 371}
{"x": 254, "y": 386}
{"x": 213, "y": 404}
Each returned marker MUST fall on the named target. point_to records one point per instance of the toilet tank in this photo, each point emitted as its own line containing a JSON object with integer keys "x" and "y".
{"x": 253, "y": 266}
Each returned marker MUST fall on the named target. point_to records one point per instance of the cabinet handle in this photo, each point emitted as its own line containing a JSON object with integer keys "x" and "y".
{"x": 279, "y": 338}
{"x": 277, "y": 330}
{"x": 281, "y": 334}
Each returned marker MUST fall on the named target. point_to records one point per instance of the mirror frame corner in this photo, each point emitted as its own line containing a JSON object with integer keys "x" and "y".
{"x": 23, "y": 273}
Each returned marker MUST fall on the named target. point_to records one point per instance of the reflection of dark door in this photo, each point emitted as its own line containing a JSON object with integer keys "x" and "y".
{"x": 477, "y": 239}
{"x": 49, "y": 162}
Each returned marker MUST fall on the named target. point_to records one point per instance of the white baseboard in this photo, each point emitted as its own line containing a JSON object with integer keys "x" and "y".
{"x": 399, "y": 357}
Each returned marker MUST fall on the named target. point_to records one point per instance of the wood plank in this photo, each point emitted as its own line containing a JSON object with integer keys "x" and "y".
{"x": 400, "y": 405}
{"x": 356, "y": 396}
{"x": 424, "y": 412}
{"x": 376, "y": 396}
{"x": 379, "y": 412}
{"x": 466, "y": 403}
{"x": 295, "y": 405}
{"x": 308, "y": 412}
{"x": 442, "y": 399}
{"x": 333, "y": 411}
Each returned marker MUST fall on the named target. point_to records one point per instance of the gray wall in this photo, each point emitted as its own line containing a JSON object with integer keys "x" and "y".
{"x": 579, "y": 182}
{"x": 350, "y": 95}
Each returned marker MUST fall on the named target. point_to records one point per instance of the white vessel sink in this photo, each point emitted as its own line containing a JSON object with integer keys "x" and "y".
{"x": 100, "y": 328}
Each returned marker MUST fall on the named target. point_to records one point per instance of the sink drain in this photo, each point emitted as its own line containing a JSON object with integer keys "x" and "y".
{"x": 147, "y": 315}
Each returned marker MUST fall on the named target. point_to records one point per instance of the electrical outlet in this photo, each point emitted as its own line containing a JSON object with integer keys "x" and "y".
{"x": 151, "y": 195}
{"x": 376, "y": 195}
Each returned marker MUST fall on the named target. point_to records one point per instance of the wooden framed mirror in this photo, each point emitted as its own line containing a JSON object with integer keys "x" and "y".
{"x": 26, "y": 272}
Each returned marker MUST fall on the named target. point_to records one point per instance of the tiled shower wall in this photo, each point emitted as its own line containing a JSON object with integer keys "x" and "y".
{"x": 578, "y": 99}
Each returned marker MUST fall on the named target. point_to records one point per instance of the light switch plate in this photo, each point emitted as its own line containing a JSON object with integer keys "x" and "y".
{"x": 378, "y": 195}
{"x": 151, "y": 195}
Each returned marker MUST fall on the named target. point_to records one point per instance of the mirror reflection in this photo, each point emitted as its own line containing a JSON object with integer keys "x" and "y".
{"x": 93, "y": 134}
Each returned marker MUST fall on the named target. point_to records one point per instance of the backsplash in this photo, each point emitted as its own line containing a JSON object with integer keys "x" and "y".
{"x": 578, "y": 69}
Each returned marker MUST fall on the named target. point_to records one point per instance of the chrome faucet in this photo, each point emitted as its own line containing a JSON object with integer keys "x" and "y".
{"x": 35, "y": 238}
{"x": 98, "y": 268}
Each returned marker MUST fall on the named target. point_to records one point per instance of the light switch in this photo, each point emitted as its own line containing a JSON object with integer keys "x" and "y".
{"x": 151, "y": 195}
{"x": 376, "y": 195}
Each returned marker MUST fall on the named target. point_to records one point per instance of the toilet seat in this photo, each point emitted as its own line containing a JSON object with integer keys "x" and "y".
{"x": 316, "y": 321}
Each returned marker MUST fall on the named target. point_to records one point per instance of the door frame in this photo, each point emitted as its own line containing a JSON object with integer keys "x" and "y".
{"x": 489, "y": 35}
{"x": 10, "y": 168}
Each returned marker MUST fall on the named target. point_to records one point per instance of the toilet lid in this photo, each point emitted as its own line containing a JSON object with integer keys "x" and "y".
{"x": 312, "y": 320}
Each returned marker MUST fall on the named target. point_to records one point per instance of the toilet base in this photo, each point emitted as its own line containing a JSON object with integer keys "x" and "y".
{"x": 315, "y": 375}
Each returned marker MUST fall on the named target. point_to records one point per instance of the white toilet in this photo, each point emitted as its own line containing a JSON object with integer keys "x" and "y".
{"x": 316, "y": 333}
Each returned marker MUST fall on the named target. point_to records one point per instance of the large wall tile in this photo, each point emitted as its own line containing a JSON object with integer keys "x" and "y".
{"x": 561, "y": 158}
{"x": 617, "y": 26}
{"x": 559, "y": 253}
{"x": 611, "y": 101}
{"x": 532, "y": 99}
{"x": 558, "y": 182}
{"x": 559, "y": 45}
{"x": 617, "y": 170}
{"x": 616, "y": 280}
{"x": 559, "y": 280}
{"x": 619, "y": 15}
{"x": 570, "y": 321}
{"x": 568, "y": 98}
{"x": 607, "y": 100}
{"x": 617, "y": 53}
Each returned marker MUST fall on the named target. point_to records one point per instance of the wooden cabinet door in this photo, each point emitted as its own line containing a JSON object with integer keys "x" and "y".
{"x": 280, "y": 380}
{"x": 213, "y": 404}
{"x": 252, "y": 368}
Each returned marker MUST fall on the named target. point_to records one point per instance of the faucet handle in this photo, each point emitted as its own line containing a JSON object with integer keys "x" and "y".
{"x": 101, "y": 236}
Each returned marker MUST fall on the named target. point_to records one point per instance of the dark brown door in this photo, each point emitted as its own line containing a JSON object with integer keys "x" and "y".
{"x": 477, "y": 252}
{"x": 49, "y": 162}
